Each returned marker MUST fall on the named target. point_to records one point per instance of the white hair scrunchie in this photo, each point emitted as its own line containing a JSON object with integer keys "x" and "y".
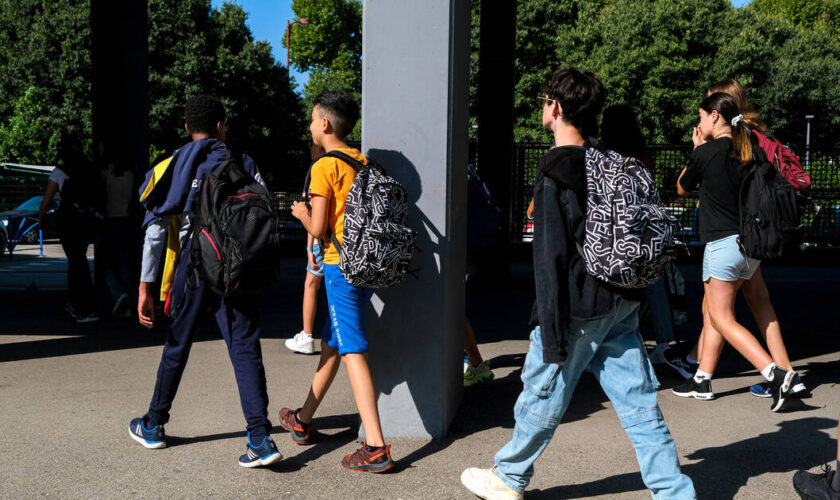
{"x": 737, "y": 120}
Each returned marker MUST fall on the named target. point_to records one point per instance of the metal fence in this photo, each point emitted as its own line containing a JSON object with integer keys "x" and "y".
{"x": 822, "y": 225}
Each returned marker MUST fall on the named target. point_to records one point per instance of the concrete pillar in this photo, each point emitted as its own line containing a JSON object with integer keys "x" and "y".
{"x": 415, "y": 90}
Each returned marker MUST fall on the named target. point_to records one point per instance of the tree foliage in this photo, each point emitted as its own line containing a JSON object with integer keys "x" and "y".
{"x": 813, "y": 14}
{"x": 45, "y": 88}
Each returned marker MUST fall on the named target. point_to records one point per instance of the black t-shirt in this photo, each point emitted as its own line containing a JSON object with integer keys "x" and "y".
{"x": 719, "y": 176}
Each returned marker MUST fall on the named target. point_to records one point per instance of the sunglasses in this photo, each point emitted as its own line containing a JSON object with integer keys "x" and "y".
{"x": 542, "y": 101}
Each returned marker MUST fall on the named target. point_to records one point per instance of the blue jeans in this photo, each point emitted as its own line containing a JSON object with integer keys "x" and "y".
{"x": 612, "y": 349}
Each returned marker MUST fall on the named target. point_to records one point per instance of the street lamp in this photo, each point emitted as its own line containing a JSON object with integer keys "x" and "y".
{"x": 289, "y": 25}
{"x": 808, "y": 119}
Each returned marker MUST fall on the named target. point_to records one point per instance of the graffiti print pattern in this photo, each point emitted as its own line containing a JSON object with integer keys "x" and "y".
{"x": 377, "y": 245}
{"x": 629, "y": 234}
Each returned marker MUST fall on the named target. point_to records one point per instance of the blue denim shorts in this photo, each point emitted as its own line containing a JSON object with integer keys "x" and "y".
{"x": 345, "y": 330}
{"x": 724, "y": 260}
{"x": 318, "y": 251}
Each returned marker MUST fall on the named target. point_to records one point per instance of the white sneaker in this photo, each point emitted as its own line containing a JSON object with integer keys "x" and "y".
{"x": 302, "y": 343}
{"x": 484, "y": 483}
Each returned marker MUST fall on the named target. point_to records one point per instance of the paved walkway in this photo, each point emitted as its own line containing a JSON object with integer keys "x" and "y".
{"x": 67, "y": 393}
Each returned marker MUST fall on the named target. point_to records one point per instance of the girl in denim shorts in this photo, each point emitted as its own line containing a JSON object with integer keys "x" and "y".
{"x": 721, "y": 157}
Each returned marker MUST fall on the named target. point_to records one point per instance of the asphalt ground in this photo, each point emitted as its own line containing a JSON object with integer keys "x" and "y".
{"x": 67, "y": 393}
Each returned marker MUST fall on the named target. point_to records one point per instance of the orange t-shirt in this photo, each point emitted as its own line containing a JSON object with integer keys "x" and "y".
{"x": 332, "y": 179}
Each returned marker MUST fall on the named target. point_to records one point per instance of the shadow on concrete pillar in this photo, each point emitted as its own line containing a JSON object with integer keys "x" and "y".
{"x": 415, "y": 81}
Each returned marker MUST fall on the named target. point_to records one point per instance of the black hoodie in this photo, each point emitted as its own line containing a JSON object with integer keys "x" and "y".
{"x": 564, "y": 289}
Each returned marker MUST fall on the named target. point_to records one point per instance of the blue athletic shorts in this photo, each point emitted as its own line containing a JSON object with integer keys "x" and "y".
{"x": 318, "y": 251}
{"x": 345, "y": 330}
{"x": 724, "y": 260}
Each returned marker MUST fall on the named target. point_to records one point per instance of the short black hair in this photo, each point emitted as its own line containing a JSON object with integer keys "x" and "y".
{"x": 341, "y": 110}
{"x": 203, "y": 112}
{"x": 580, "y": 94}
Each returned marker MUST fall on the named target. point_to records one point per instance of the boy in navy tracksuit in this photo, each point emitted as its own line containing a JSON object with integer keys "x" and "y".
{"x": 169, "y": 195}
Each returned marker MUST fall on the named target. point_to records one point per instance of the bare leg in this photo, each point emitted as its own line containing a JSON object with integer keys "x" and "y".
{"x": 324, "y": 375}
{"x": 720, "y": 297}
{"x": 758, "y": 298}
{"x": 310, "y": 301}
{"x": 470, "y": 344}
{"x": 365, "y": 395}
{"x": 697, "y": 351}
{"x": 711, "y": 343}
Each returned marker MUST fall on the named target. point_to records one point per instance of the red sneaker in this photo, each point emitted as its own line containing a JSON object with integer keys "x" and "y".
{"x": 370, "y": 461}
{"x": 300, "y": 432}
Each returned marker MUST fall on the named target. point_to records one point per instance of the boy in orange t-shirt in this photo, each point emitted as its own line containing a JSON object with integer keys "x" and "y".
{"x": 333, "y": 116}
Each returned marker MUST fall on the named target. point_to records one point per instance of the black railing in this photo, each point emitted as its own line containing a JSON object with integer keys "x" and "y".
{"x": 822, "y": 226}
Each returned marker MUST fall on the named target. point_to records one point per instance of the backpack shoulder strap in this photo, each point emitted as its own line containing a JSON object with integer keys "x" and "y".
{"x": 356, "y": 164}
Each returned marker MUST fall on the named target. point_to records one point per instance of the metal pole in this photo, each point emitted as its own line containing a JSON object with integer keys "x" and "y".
{"x": 808, "y": 119}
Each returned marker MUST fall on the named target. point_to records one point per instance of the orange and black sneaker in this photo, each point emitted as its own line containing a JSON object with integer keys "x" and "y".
{"x": 371, "y": 460}
{"x": 300, "y": 432}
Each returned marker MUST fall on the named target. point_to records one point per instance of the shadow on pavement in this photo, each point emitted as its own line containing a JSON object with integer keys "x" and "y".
{"x": 722, "y": 471}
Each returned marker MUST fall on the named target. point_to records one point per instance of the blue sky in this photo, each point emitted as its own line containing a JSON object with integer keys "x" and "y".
{"x": 267, "y": 20}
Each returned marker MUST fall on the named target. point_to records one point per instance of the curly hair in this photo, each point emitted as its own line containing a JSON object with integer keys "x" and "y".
{"x": 340, "y": 109}
{"x": 203, "y": 112}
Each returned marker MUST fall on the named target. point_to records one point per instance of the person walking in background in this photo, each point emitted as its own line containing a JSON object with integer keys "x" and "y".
{"x": 583, "y": 324}
{"x": 754, "y": 289}
{"x": 75, "y": 182}
{"x": 620, "y": 132}
{"x": 722, "y": 150}
{"x": 303, "y": 342}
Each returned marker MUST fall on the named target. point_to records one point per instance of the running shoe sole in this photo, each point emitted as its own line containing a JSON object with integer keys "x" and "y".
{"x": 785, "y": 388}
{"x": 702, "y": 396}
{"x": 152, "y": 445}
{"x": 260, "y": 462}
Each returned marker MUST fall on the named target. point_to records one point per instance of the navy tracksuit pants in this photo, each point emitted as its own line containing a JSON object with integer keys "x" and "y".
{"x": 239, "y": 322}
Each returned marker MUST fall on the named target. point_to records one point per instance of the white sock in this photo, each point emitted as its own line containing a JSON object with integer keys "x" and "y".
{"x": 700, "y": 376}
{"x": 767, "y": 372}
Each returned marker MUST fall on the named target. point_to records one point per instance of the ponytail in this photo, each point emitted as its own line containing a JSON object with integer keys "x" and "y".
{"x": 741, "y": 144}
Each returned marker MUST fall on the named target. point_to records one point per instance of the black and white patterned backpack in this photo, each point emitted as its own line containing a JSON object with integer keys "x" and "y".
{"x": 377, "y": 245}
{"x": 629, "y": 234}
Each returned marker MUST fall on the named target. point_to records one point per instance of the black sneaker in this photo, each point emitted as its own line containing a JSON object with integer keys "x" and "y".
{"x": 780, "y": 386}
{"x": 692, "y": 389}
{"x": 815, "y": 486}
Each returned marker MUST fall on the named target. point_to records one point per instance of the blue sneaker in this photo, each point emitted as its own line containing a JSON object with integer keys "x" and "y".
{"x": 150, "y": 438}
{"x": 264, "y": 454}
{"x": 762, "y": 390}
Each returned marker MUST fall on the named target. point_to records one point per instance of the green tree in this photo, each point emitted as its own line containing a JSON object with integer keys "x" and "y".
{"x": 195, "y": 49}
{"x": 812, "y": 14}
{"x": 45, "y": 83}
{"x": 330, "y": 45}
{"x": 45, "y": 86}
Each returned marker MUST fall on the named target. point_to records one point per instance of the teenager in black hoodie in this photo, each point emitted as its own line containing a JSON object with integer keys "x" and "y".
{"x": 583, "y": 324}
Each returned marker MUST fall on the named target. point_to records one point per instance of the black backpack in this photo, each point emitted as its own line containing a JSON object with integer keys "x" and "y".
{"x": 377, "y": 245}
{"x": 235, "y": 232}
{"x": 771, "y": 215}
